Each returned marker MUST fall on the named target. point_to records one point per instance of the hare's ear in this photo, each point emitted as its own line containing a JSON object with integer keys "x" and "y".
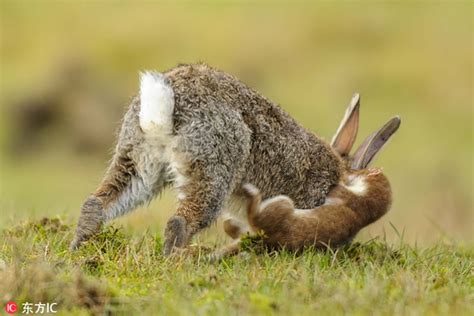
{"x": 373, "y": 143}
{"x": 346, "y": 134}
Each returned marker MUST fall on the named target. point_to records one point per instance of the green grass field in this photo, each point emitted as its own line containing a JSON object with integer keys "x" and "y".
{"x": 408, "y": 58}
{"x": 126, "y": 274}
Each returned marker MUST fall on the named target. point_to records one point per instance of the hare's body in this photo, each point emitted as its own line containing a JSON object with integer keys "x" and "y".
{"x": 359, "y": 200}
{"x": 206, "y": 133}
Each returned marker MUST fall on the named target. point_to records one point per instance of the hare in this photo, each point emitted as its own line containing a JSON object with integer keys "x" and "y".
{"x": 206, "y": 133}
{"x": 361, "y": 197}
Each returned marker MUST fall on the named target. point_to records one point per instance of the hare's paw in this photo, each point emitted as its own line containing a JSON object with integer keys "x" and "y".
{"x": 175, "y": 234}
{"x": 90, "y": 221}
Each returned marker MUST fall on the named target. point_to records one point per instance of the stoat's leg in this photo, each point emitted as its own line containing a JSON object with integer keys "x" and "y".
{"x": 234, "y": 228}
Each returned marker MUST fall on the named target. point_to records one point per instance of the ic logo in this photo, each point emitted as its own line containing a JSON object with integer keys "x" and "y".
{"x": 11, "y": 307}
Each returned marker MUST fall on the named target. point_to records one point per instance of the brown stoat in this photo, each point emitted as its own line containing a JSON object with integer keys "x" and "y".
{"x": 359, "y": 200}
{"x": 361, "y": 197}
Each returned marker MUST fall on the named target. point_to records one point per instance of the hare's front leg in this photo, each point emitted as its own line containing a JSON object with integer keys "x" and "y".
{"x": 137, "y": 173}
{"x": 209, "y": 161}
{"x": 202, "y": 198}
{"x": 195, "y": 212}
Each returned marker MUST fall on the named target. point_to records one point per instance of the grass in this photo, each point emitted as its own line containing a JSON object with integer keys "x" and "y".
{"x": 125, "y": 273}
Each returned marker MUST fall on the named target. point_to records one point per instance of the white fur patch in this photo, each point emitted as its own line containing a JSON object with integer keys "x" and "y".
{"x": 303, "y": 212}
{"x": 274, "y": 199}
{"x": 156, "y": 120}
{"x": 332, "y": 201}
{"x": 157, "y": 151}
{"x": 357, "y": 185}
{"x": 250, "y": 188}
{"x": 177, "y": 171}
{"x": 156, "y": 103}
{"x": 311, "y": 211}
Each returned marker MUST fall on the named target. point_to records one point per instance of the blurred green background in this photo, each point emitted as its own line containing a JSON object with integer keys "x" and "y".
{"x": 68, "y": 70}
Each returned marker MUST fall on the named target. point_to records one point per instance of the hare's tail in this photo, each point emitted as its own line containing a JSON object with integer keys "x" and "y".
{"x": 156, "y": 104}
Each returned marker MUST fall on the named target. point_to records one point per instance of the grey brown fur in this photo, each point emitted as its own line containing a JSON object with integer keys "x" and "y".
{"x": 226, "y": 134}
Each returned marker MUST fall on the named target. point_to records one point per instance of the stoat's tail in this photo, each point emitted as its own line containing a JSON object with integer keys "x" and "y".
{"x": 253, "y": 207}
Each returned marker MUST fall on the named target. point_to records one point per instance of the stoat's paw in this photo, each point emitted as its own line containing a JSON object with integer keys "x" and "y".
{"x": 375, "y": 171}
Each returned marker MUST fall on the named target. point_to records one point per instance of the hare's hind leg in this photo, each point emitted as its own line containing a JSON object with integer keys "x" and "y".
{"x": 202, "y": 198}
{"x": 122, "y": 190}
{"x": 138, "y": 169}
{"x": 211, "y": 153}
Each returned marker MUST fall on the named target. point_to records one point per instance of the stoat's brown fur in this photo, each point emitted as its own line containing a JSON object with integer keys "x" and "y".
{"x": 360, "y": 199}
